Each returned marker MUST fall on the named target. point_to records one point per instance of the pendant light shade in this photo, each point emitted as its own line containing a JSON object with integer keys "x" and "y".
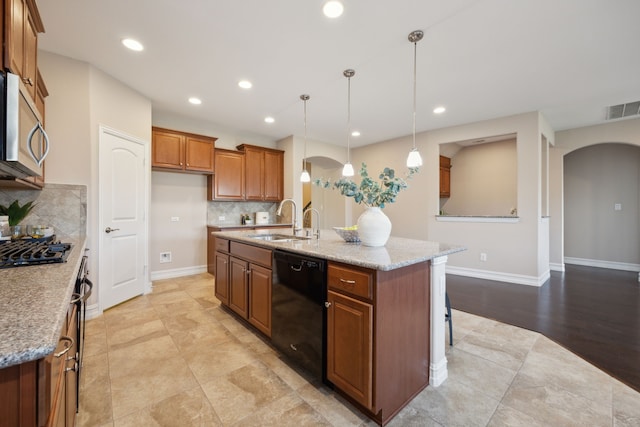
{"x": 414, "y": 159}
{"x": 304, "y": 176}
{"x": 347, "y": 170}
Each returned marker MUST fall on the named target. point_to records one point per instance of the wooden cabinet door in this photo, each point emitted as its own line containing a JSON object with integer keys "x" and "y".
{"x": 445, "y": 176}
{"x": 273, "y": 176}
{"x": 30, "y": 57}
{"x": 229, "y": 175}
{"x": 350, "y": 346}
{"x": 260, "y": 298}
{"x": 14, "y": 32}
{"x": 238, "y": 295}
{"x": 254, "y": 174}
{"x": 71, "y": 370}
{"x": 199, "y": 154}
{"x": 222, "y": 277}
{"x": 167, "y": 150}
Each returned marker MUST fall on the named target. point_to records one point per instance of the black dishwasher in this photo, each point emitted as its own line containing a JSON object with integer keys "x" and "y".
{"x": 298, "y": 316}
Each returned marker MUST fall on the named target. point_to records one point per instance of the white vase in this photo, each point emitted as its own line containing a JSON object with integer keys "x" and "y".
{"x": 374, "y": 227}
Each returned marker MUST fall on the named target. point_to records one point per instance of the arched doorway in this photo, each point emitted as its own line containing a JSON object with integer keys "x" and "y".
{"x": 330, "y": 204}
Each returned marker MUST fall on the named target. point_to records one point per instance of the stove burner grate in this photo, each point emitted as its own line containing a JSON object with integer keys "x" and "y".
{"x": 18, "y": 253}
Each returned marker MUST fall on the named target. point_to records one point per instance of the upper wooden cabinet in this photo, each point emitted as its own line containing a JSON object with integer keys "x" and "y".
{"x": 228, "y": 181}
{"x": 182, "y": 152}
{"x": 253, "y": 173}
{"x": 22, "y": 24}
{"x": 445, "y": 176}
{"x": 264, "y": 173}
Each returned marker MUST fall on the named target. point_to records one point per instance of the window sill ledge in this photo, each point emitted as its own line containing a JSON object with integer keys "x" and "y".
{"x": 477, "y": 218}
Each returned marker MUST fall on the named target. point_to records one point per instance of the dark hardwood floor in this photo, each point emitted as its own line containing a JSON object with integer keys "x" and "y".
{"x": 593, "y": 312}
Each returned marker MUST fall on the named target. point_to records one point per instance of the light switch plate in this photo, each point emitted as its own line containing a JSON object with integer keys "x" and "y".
{"x": 617, "y": 207}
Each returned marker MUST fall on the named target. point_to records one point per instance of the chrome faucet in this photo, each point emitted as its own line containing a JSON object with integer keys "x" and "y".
{"x": 316, "y": 232}
{"x": 295, "y": 227}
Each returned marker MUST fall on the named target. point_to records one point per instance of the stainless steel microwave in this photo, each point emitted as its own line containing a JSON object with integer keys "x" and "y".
{"x": 24, "y": 144}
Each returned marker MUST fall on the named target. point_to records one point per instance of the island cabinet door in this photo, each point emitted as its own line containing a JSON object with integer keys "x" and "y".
{"x": 238, "y": 296}
{"x": 260, "y": 298}
{"x": 222, "y": 277}
{"x": 349, "y": 346}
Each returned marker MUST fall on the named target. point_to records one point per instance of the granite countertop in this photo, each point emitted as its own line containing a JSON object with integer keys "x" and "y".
{"x": 398, "y": 252}
{"x": 33, "y": 306}
{"x": 270, "y": 225}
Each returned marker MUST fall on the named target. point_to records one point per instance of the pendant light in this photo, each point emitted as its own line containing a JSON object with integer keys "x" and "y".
{"x": 304, "y": 176}
{"x": 414, "y": 159}
{"x": 347, "y": 170}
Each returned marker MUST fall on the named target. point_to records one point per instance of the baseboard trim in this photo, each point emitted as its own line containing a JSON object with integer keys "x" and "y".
{"x": 625, "y": 266}
{"x": 519, "y": 279}
{"x": 178, "y": 272}
{"x": 556, "y": 266}
{"x": 93, "y": 311}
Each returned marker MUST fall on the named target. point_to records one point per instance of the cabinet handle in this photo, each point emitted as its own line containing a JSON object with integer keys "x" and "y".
{"x": 28, "y": 80}
{"x": 87, "y": 294}
{"x": 76, "y": 298}
{"x": 327, "y": 304}
{"x": 348, "y": 282}
{"x": 69, "y": 340}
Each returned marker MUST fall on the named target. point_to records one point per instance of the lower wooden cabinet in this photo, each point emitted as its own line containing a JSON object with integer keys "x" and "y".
{"x": 349, "y": 346}
{"x": 445, "y": 176}
{"x": 243, "y": 281}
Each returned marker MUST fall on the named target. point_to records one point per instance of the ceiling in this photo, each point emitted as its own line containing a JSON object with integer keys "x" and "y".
{"x": 480, "y": 59}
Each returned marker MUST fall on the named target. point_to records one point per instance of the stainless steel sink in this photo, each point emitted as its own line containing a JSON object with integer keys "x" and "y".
{"x": 277, "y": 237}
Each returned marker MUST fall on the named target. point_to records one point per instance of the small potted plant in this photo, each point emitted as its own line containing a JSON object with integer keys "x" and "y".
{"x": 16, "y": 214}
{"x": 374, "y": 226}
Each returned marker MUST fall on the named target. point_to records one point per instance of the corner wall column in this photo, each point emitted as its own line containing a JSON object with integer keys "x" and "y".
{"x": 438, "y": 367}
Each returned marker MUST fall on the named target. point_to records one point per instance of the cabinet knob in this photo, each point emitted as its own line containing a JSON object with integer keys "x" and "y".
{"x": 27, "y": 80}
{"x": 327, "y": 304}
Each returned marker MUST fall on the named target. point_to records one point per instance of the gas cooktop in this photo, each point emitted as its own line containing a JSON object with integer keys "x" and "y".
{"x": 25, "y": 252}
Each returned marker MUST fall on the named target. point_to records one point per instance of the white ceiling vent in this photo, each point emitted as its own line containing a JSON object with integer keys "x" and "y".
{"x": 623, "y": 110}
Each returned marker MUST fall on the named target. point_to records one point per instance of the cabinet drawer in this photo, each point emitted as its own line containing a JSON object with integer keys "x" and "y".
{"x": 349, "y": 279}
{"x": 251, "y": 253}
{"x": 222, "y": 245}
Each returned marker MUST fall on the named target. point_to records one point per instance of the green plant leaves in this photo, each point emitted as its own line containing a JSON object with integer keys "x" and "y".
{"x": 15, "y": 212}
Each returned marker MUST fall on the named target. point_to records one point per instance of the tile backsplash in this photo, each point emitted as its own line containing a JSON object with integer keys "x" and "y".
{"x": 64, "y": 207}
{"x": 231, "y": 211}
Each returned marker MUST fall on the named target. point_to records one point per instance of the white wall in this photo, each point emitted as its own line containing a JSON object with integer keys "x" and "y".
{"x": 81, "y": 99}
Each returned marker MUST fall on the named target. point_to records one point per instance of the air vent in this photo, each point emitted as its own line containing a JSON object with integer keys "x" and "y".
{"x": 623, "y": 110}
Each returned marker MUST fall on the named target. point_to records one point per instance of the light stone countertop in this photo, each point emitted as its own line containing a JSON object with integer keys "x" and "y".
{"x": 397, "y": 253}
{"x": 33, "y": 306}
{"x": 270, "y": 225}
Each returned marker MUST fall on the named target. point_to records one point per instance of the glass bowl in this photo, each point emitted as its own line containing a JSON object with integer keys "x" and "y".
{"x": 349, "y": 235}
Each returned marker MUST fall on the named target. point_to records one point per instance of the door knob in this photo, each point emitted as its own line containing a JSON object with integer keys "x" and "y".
{"x": 327, "y": 304}
{"x": 109, "y": 230}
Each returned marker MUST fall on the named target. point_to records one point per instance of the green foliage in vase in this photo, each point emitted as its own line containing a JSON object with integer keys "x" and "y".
{"x": 370, "y": 192}
{"x": 15, "y": 212}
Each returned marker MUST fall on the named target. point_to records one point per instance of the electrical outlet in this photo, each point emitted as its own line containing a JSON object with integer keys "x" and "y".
{"x": 175, "y": 218}
{"x": 221, "y": 218}
{"x": 617, "y": 207}
{"x": 165, "y": 257}
{"x": 483, "y": 256}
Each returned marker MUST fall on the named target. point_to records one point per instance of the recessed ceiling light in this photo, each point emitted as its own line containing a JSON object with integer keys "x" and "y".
{"x": 133, "y": 44}
{"x": 245, "y": 84}
{"x": 195, "y": 101}
{"x": 439, "y": 110}
{"x": 332, "y": 9}
{"x": 269, "y": 120}
{"x": 355, "y": 133}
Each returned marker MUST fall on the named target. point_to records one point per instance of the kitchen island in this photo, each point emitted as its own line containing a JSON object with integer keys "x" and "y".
{"x": 385, "y": 309}
{"x": 36, "y": 319}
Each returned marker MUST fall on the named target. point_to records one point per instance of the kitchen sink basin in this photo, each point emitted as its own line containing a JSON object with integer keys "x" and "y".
{"x": 277, "y": 237}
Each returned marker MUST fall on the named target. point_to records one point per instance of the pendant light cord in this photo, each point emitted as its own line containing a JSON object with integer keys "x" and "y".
{"x": 349, "y": 119}
{"x": 415, "y": 47}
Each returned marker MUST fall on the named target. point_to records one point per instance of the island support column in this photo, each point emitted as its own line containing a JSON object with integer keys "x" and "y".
{"x": 438, "y": 367}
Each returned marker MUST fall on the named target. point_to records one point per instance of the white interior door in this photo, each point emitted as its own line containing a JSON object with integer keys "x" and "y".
{"x": 123, "y": 199}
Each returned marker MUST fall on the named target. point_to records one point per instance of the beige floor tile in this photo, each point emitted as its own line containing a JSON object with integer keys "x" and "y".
{"x": 244, "y": 391}
{"x": 185, "y": 321}
{"x": 146, "y": 386}
{"x": 173, "y": 302}
{"x": 626, "y": 405}
{"x": 333, "y": 408}
{"x": 123, "y": 319}
{"x": 190, "y": 408}
{"x": 217, "y": 360}
{"x": 549, "y": 363}
{"x": 509, "y": 417}
{"x": 143, "y": 357}
{"x": 412, "y": 417}
{"x": 555, "y": 406}
{"x": 287, "y": 411}
{"x": 473, "y": 370}
{"x": 136, "y": 334}
{"x": 95, "y": 392}
{"x": 95, "y": 342}
{"x": 293, "y": 377}
{"x": 456, "y": 404}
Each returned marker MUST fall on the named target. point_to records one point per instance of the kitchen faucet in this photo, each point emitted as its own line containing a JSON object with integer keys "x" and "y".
{"x": 316, "y": 233}
{"x": 295, "y": 214}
